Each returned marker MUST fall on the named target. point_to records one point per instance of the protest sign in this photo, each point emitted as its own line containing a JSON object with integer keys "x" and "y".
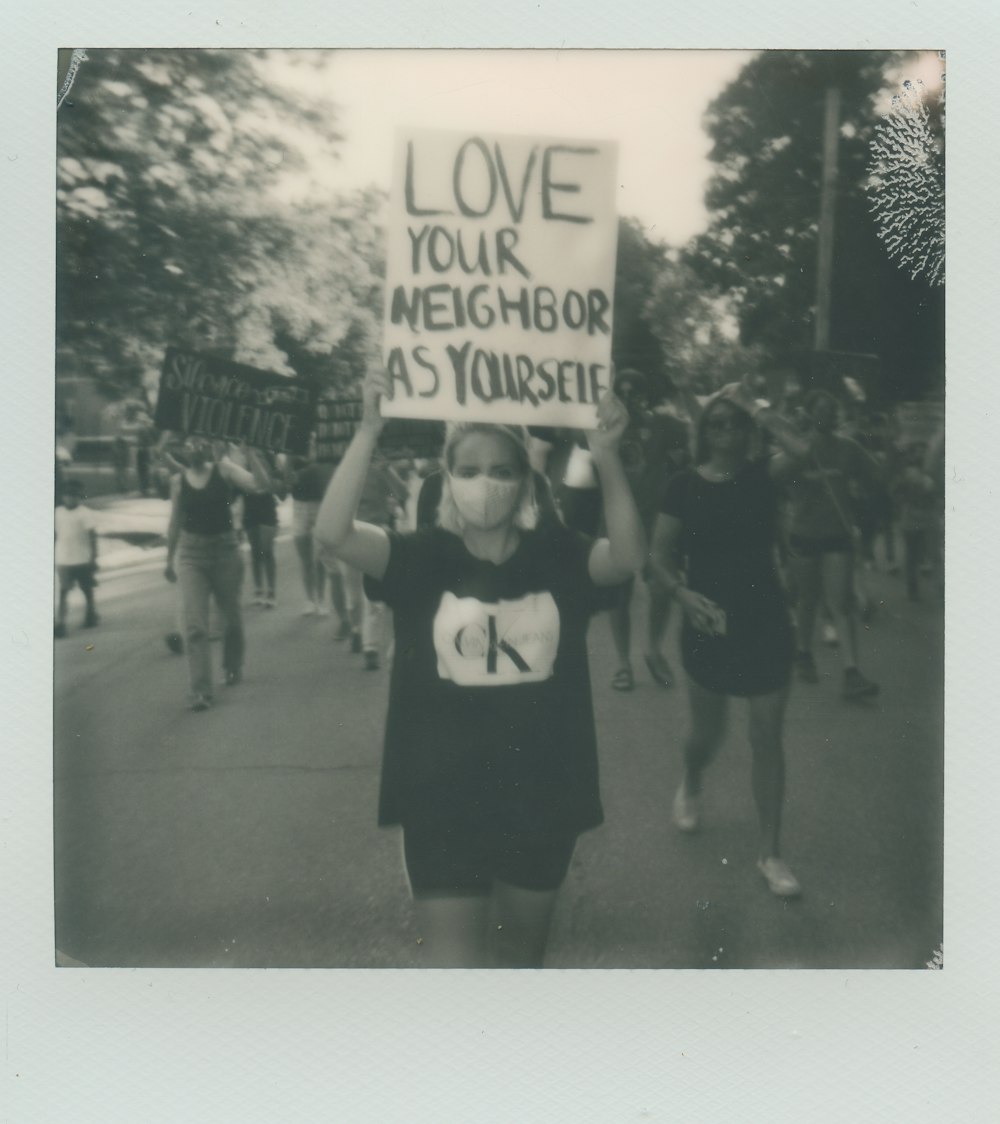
{"x": 209, "y": 397}
{"x": 337, "y": 419}
{"x": 500, "y": 274}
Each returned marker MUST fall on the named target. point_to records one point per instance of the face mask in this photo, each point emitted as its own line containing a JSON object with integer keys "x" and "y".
{"x": 484, "y": 502}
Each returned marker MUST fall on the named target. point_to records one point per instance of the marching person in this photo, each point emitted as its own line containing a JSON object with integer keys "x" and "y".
{"x": 308, "y": 482}
{"x": 915, "y": 497}
{"x": 203, "y": 538}
{"x": 76, "y": 553}
{"x": 654, "y": 447}
{"x": 822, "y": 537}
{"x": 714, "y": 552}
{"x": 260, "y": 522}
{"x": 490, "y": 758}
{"x": 382, "y": 495}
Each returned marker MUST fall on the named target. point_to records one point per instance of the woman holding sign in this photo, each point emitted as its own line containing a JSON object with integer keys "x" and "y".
{"x": 490, "y": 760}
{"x": 718, "y": 525}
{"x": 201, "y": 534}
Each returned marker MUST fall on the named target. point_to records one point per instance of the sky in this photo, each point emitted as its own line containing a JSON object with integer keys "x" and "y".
{"x": 650, "y": 102}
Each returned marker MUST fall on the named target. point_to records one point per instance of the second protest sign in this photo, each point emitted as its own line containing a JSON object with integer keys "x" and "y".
{"x": 500, "y": 278}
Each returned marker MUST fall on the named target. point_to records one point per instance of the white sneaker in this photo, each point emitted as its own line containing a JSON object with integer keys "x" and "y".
{"x": 309, "y": 609}
{"x": 323, "y": 610}
{"x": 779, "y": 877}
{"x": 830, "y": 636}
{"x": 685, "y": 811}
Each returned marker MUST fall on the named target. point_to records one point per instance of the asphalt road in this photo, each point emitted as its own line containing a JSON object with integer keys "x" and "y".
{"x": 246, "y": 836}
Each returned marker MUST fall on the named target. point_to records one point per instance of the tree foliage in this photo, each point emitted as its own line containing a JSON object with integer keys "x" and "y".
{"x": 760, "y": 249}
{"x": 168, "y": 228}
{"x": 667, "y": 321}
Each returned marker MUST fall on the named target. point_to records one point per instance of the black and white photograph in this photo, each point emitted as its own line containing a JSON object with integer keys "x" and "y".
{"x": 499, "y": 618}
{"x": 499, "y": 509}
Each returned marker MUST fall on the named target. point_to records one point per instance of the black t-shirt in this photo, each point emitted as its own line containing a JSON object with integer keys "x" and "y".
{"x": 728, "y": 537}
{"x": 729, "y": 531}
{"x": 490, "y": 722}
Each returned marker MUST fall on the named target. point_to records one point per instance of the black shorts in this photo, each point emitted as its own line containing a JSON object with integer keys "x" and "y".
{"x": 802, "y": 547}
{"x": 443, "y": 863}
{"x": 83, "y": 576}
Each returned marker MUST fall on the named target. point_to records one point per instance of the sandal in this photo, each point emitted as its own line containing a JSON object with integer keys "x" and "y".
{"x": 660, "y": 670}
{"x": 623, "y": 680}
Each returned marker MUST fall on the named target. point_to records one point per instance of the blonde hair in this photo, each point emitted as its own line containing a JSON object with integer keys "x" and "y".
{"x": 526, "y": 512}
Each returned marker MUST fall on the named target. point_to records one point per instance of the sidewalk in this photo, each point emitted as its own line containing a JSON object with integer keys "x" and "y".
{"x": 132, "y": 530}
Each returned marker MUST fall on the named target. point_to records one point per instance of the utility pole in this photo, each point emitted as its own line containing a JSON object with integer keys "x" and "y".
{"x": 827, "y": 211}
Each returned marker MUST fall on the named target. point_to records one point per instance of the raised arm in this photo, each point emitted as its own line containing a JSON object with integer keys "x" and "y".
{"x": 792, "y": 442}
{"x": 254, "y": 478}
{"x": 615, "y": 558}
{"x": 361, "y": 545}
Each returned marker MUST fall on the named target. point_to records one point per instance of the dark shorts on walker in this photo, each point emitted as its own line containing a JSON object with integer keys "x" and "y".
{"x": 458, "y": 863}
{"x": 83, "y": 576}
{"x": 753, "y": 658}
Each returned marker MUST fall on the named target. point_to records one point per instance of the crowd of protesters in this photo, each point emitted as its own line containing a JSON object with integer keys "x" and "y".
{"x": 754, "y": 519}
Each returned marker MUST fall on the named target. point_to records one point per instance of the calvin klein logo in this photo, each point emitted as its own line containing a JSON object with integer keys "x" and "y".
{"x": 472, "y": 641}
{"x": 490, "y": 644}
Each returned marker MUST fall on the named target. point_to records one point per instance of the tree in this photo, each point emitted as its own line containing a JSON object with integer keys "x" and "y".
{"x": 165, "y": 230}
{"x": 317, "y": 310}
{"x": 639, "y": 262}
{"x": 760, "y": 248}
{"x": 696, "y": 330}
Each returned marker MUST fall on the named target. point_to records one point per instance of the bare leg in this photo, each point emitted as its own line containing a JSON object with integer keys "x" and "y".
{"x": 767, "y": 717}
{"x": 838, "y": 592}
{"x": 63, "y": 599}
{"x": 519, "y": 925}
{"x": 319, "y": 581}
{"x": 808, "y": 585}
{"x": 659, "y": 618}
{"x": 453, "y": 931}
{"x": 337, "y": 593}
{"x": 304, "y": 547}
{"x": 88, "y": 594}
{"x": 267, "y": 535}
{"x": 621, "y": 626}
{"x": 708, "y": 728}
{"x": 256, "y": 559}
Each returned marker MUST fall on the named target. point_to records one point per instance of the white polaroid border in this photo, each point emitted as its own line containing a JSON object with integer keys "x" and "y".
{"x": 106, "y": 1045}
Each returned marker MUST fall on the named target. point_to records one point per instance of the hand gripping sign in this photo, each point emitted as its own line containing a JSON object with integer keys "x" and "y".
{"x": 500, "y": 278}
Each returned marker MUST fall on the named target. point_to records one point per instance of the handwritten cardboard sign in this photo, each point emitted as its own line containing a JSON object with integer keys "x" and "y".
{"x": 500, "y": 277}
{"x": 337, "y": 420}
{"x": 210, "y": 397}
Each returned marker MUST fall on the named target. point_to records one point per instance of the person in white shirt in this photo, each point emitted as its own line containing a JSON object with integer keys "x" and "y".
{"x": 76, "y": 554}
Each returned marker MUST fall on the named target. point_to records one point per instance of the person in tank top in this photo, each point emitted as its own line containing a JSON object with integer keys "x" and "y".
{"x": 202, "y": 538}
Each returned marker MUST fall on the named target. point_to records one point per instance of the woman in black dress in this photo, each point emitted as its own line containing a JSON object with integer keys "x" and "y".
{"x": 718, "y": 526}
